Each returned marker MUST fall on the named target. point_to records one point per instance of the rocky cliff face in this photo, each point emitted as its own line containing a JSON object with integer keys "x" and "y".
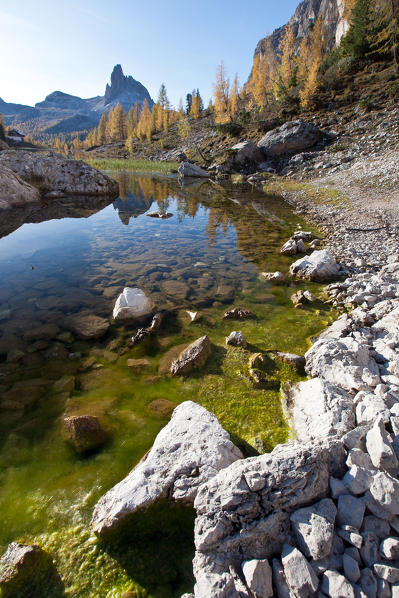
{"x": 305, "y": 16}
{"x": 61, "y": 112}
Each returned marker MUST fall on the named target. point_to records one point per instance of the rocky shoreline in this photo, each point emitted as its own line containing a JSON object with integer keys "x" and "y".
{"x": 318, "y": 515}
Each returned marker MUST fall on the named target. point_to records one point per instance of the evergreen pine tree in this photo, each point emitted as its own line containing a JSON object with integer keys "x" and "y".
{"x": 356, "y": 42}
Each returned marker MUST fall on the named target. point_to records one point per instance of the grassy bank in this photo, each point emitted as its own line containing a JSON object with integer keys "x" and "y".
{"x": 134, "y": 165}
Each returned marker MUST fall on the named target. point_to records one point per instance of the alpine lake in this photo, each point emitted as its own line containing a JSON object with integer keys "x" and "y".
{"x": 76, "y": 256}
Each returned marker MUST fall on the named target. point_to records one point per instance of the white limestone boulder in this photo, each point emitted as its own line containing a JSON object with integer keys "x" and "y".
{"x": 319, "y": 266}
{"x": 188, "y": 451}
{"x": 132, "y": 304}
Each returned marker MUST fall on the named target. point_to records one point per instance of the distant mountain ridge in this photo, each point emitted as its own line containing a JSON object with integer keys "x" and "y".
{"x": 61, "y": 112}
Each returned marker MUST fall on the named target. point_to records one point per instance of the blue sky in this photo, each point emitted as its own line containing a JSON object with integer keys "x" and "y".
{"x": 72, "y": 45}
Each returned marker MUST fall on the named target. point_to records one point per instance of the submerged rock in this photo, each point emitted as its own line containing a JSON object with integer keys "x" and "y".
{"x": 190, "y": 450}
{"x": 274, "y": 277}
{"x": 193, "y": 357}
{"x": 84, "y": 432}
{"x": 131, "y": 304}
{"x": 58, "y": 176}
{"x": 238, "y": 313}
{"x": 27, "y": 570}
{"x": 87, "y": 325}
{"x": 236, "y": 339}
{"x": 186, "y": 169}
{"x": 319, "y": 266}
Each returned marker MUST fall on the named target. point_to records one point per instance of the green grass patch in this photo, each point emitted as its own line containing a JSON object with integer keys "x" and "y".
{"x": 322, "y": 195}
{"x": 134, "y": 165}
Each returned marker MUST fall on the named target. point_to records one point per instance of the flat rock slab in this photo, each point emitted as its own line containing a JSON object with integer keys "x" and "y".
{"x": 190, "y": 450}
{"x": 320, "y": 409}
{"x": 87, "y": 326}
{"x": 176, "y": 288}
{"x": 132, "y": 304}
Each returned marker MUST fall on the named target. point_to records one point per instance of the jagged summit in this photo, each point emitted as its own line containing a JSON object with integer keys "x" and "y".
{"x": 123, "y": 89}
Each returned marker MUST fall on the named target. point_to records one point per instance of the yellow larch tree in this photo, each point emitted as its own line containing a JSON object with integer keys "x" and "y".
{"x": 144, "y": 124}
{"x": 221, "y": 89}
{"x": 195, "y": 107}
{"x": 233, "y": 100}
{"x": 263, "y": 76}
{"x": 287, "y": 68}
{"x": 316, "y": 50}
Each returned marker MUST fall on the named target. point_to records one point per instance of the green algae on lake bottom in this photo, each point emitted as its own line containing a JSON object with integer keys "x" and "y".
{"x": 206, "y": 258}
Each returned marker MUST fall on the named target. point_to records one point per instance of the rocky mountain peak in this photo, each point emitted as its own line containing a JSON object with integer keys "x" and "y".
{"x": 122, "y": 87}
{"x": 306, "y": 14}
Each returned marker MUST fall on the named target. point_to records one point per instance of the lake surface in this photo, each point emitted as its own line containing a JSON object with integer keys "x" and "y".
{"x": 74, "y": 258}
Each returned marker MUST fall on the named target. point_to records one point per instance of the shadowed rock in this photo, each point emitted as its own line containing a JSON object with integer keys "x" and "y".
{"x": 27, "y": 570}
{"x": 191, "y": 449}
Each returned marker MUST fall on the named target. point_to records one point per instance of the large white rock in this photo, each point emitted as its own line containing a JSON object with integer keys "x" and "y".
{"x": 186, "y": 169}
{"x": 320, "y": 409}
{"x": 292, "y": 136}
{"x": 319, "y": 266}
{"x": 188, "y": 451}
{"x": 344, "y": 362}
{"x": 58, "y": 176}
{"x": 132, "y": 303}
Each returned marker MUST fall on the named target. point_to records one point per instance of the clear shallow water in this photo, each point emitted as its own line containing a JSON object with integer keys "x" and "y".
{"x": 206, "y": 257}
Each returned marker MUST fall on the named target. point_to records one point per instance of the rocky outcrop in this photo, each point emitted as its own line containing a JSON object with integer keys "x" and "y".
{"x": 308, "y": 11}
{"x": 293, "y": 136}
{"x": 14, "y": 192}
{"x": 187, "y": 169}
{"x": 190, "y": 450}
{"x": 132, "y": 304}
{"x": 27, "y": 570}
{"x": 192, "y": 357}
{"x": 319, "y": 266}
{"x": 243, "y": 513}
{"x": 56, "y": 176}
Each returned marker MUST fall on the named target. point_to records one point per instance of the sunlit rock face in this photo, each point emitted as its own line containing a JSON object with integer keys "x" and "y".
{"x": 307, "y": 13}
